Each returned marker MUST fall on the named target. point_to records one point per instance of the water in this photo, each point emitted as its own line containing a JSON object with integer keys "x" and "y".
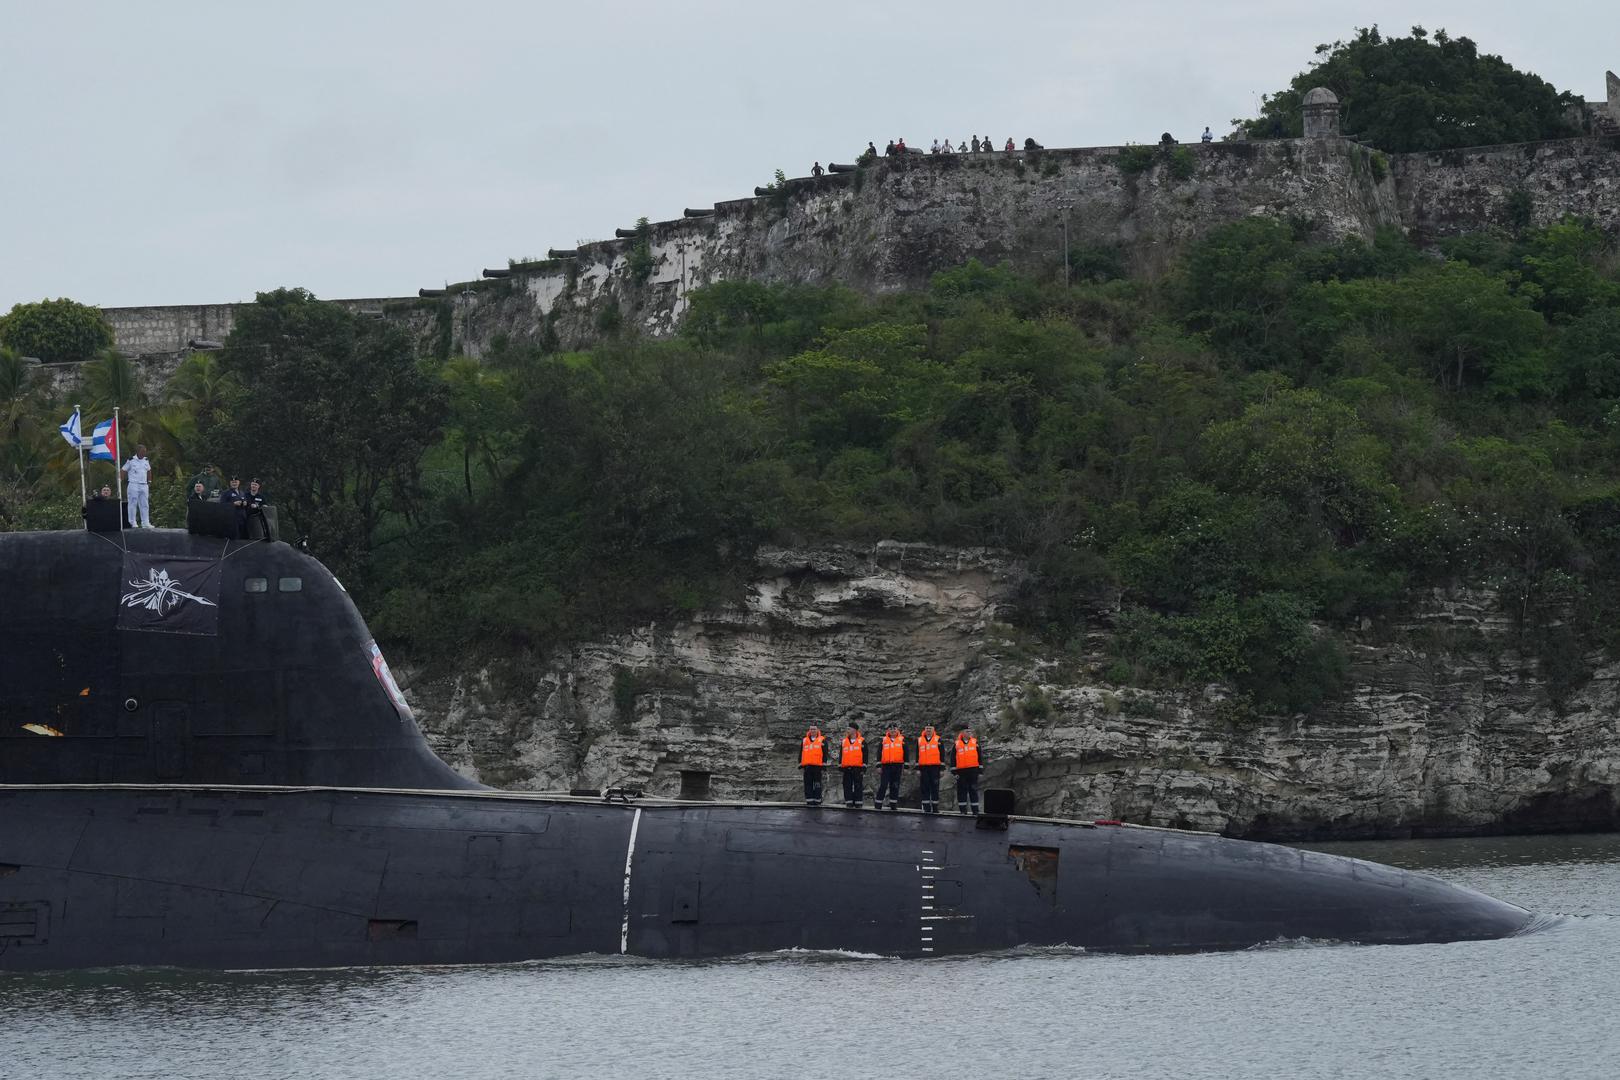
{"x": 1541, "y": 1005}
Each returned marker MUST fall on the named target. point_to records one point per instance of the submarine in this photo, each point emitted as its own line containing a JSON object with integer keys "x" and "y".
{"x": 206, "y": 763}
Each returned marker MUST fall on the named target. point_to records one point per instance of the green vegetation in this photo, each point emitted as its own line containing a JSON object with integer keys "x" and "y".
{"x": 334, "y": 410}
{"x": 640, "y": 260}
{"x": 55, "y": 331}
{"x": 1134, "y": 159}
{"x": 1420, "y": 92}
{"x": 1277, "y": 440}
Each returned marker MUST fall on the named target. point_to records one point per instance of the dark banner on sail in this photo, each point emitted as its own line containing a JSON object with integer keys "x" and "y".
{"x": 176, "y": 596}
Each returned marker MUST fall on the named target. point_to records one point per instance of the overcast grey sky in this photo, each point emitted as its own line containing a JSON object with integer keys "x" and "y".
{"x": 167, "y": 152}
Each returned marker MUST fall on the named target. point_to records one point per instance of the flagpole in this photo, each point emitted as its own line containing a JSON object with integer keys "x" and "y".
{"x": 118, "y": 470}
{"x": 84, "y": 492}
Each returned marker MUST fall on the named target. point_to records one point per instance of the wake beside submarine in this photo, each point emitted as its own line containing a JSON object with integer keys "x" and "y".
{"x": 254, "y": 793}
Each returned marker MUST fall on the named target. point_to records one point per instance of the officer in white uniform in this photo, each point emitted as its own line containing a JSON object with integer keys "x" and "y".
{"x": 137, "y": 485}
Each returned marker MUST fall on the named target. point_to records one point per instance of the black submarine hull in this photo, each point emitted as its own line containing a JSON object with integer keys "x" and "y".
{"x": 206, "y": 762}
{"x": 225, "y": 877}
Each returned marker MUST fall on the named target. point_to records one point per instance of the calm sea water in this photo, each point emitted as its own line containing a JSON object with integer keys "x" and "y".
{"x": 1541, "y": 1005}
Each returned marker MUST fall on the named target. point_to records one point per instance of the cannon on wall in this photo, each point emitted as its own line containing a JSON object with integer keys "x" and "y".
{"x": 627, "y": 234}
{"x": 428, "y": 294}
{"x": 689, "y": 212}
{"x": 559, "y": 253}
{"x": 497, "y": 273}
{"x": 835, "y": 167}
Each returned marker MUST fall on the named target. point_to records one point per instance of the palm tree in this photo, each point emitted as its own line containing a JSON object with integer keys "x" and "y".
{"x": 111, "y": 380}
{"x": 198, "y": 384}
{"x": 16, "y": 395}
{"x": 27, "y": 462}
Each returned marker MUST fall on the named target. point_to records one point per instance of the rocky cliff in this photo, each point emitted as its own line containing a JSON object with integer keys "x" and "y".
{"x": 1446, "y": 729}
{"x": 890, "y": 225}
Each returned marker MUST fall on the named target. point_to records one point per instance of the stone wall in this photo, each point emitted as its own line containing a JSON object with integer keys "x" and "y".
{"x": 1455, "y": 191}
{"x": 889, "y": 226}
{"x": 1447, "y": 728}
{"x": 158, "y": 337}
{"x": 149, "y": 331}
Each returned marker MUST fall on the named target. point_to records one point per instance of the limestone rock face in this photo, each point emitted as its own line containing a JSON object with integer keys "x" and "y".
{"x": 1431, "y": 739}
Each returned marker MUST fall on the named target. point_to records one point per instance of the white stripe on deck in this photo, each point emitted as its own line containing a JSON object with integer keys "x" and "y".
{"x": 629, "y": 856}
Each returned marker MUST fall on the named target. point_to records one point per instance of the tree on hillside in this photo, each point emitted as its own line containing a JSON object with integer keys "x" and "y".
{"x": 333, "y": 410}
{"x": 1464, "y": 326}
{"x": 1420, "y": 92}
{"x": 481, "y": 416}
{"x": 55, "y": 331}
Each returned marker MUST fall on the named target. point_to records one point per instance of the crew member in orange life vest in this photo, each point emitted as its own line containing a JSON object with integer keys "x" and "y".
{"x": 852, "y": 763}
{"x": 966, "y": 765}
{"x": 928, "y": 766}
{"x": 890, "y": 765}
{"x": 811, "y": 759}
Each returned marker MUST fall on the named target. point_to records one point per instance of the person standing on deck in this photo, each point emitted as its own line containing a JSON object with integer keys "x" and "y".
{"x": 890, "y": 765}
{"x": 965, "y": 764}
{"x": 928, "y": 766}
{"x": 852, "y": 764}
{"x": 811, "y": 759}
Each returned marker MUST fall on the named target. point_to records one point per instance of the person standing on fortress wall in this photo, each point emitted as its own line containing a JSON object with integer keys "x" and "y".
{"x": 1009, "y": 146}
{"x": 1206, "y": 136}
{"x": 975, "y": 144}
{"x": 934, "y": 149}
{"x": 900, "y": 146}
{"x": 816, "y": 169}
{"x": 888, "y": 151}
{"x": 137, "y": 480}
{"x": 945, "y": 147}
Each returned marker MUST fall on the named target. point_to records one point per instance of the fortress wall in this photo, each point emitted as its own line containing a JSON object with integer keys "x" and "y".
{"x": 890, "y": 225}
{"x": 1456, "y": 191}
{"x": 148, "y": 330}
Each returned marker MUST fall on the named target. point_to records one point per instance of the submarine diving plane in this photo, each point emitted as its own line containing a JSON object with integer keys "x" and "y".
{"x": 205, "y": 763}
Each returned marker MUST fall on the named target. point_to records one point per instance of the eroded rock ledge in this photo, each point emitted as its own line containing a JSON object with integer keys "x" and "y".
{"x": 1441, "y": 732}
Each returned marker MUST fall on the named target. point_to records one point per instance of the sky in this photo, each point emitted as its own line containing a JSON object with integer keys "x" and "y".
{"x": 172, "y": 153}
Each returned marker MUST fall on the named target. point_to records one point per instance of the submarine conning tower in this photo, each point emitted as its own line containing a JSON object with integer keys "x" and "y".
{"x": 161, "y": 656}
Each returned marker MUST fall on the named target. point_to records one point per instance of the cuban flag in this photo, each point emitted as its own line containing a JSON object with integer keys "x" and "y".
{"x": 70, "y": 431}
{"x": 104, "y": 441}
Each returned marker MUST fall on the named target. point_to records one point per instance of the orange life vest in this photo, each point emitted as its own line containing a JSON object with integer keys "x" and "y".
{"x": 852, "y": 754}
{"x": 894, "y": 749}
{"x": 810, "y": 753}
{"x": 928, "y": 748}
{"x": 967, "y": 752}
